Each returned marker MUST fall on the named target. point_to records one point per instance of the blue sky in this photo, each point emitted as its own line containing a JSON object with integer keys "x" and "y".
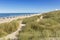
{"x": 28, "y": 6}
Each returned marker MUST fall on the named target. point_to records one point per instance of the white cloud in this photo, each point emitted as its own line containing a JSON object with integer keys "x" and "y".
{"x": 56, "y": 9}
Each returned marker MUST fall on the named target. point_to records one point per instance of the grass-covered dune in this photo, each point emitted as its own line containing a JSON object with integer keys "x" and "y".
{"x": 47, "y": 27}
{"x": 8, "y": 27}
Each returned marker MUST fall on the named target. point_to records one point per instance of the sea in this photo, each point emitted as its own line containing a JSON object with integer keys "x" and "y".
{"x": 15, "y": 14}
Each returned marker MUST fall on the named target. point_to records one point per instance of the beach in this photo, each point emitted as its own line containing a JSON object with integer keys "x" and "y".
{"x": 9, "y": 19}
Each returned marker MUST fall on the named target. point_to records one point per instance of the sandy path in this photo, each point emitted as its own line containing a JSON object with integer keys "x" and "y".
{"x": 13, "y": 35}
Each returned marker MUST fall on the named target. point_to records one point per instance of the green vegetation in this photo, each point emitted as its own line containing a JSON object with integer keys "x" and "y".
{"x": 9, "y": 27}
{"x": 47, "y": 27}
{"x": 30, "y": 19}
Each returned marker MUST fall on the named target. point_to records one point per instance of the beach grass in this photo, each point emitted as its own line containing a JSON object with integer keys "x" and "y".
{"x": 48, "y": 27}
{"x": 8, "y": 27}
